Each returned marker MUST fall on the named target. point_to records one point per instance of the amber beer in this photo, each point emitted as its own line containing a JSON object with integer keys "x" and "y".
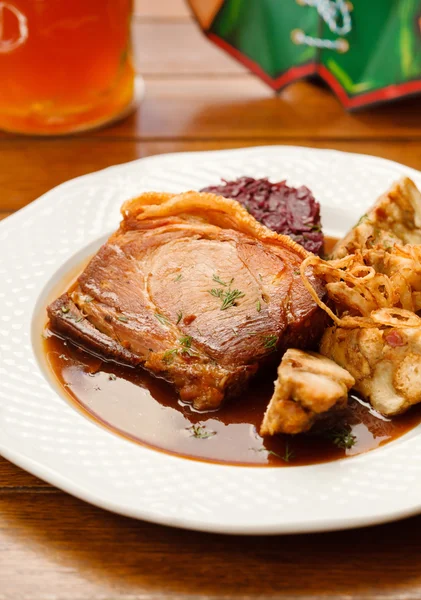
{"x": 65, "y": 65}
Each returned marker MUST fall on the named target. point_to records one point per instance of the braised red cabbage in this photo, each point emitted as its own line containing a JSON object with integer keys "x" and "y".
{"x": 284, "y": 209}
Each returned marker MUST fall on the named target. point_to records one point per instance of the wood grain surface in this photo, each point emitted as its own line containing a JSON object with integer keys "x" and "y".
{"x": 53, "y": 546}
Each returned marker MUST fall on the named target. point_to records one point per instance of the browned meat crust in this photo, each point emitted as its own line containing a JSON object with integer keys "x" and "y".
{"x": 66, "y": 318}
{"x": 195, "y": 290}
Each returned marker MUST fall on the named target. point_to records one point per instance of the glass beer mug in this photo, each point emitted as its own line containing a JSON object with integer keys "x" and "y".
{"x": 65, "y": 65}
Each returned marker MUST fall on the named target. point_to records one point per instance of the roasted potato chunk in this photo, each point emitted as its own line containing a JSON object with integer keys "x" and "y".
{"x": 308, "y": 386}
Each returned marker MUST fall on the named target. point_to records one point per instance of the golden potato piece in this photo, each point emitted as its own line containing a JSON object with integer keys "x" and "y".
{"x": 308, "y": 386}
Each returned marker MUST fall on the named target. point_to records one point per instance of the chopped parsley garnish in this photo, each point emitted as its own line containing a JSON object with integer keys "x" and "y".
{"x": 200, "y": 432}
{"x": 72, "y": 316}
{"x": 123, "y": 318}
{"x": 186, "y": 346}
{"x": 270, "y": 453}
{"x": 163, "y": 320}
{"x": 169, "y": 356}
{"x": 219, "y": 280}
{"x": 179, "y": 276}
{"x": 217, "y": 292}
{"x": 289, "y": 454}
{"x": 185, "y": 341}
{"x": 229, "y": 297}
{"x": 270, "y": 342}
{"x": 342, "y": 438}
{"x": 258, "y": 306}
{"x": 179, "y": 317}
{"x": 287, "y": 457}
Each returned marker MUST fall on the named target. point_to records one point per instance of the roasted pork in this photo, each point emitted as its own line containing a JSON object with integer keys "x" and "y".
{"x": 193, "y": 288}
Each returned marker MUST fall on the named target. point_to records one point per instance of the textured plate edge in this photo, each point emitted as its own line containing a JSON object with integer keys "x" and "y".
{"x": 65, "y": 485}
{"x": 249, "y": 149}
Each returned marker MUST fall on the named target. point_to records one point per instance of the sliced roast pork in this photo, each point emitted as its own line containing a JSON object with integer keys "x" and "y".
{"x": 194, "y": 289}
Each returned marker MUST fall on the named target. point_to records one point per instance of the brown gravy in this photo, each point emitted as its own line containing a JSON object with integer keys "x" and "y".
{"x": 147, "y": 410}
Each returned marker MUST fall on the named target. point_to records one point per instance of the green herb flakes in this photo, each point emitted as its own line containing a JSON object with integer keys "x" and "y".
{"x": 163, "y": 320}
{"x": 217, "y": 292}
{"x": 230, "y": 298}
{"x": 186, "y": 341}
{"x": 219, "y": 280}
{"x": 342, "y": 438}
{"x": 270, "y": 342}
{"x": 169, "y": 356}
{"x": 200, "y": 432}
{"x": 288, "y": 454}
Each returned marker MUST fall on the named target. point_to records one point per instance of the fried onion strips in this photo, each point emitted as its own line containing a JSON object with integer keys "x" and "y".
{"x": 369, "y": 288}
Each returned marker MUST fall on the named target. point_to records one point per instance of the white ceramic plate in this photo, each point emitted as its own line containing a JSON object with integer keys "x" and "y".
{"x": 42, "y": 433}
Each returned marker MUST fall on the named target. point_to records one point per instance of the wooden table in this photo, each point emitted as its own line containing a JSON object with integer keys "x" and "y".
{"x": 54, "y": 546}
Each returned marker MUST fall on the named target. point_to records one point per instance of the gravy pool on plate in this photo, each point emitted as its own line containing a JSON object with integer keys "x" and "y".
{"x": 147, "y": 410}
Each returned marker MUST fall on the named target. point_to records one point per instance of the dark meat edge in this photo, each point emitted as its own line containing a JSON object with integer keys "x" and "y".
{"x": 71, "y": 323}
